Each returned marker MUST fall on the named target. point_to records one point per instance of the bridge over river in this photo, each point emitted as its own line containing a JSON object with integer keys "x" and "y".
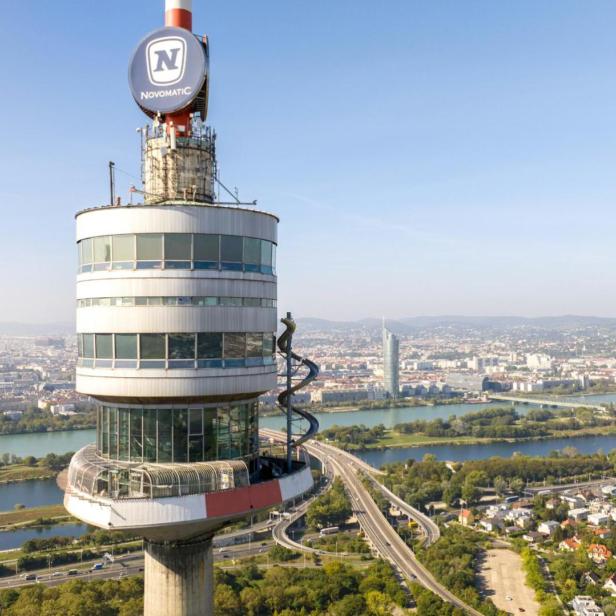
{"x": 549, "y": 402}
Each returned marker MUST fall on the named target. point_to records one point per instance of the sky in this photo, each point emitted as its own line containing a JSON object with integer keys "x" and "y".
{"x": 424, "y": 157}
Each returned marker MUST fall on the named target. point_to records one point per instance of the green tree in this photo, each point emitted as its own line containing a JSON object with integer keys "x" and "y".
{"x": 226, "y": 601}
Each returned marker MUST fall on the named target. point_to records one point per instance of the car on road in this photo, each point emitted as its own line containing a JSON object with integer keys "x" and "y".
{"x": 29, "y": 577}
{"x": 73, "y": 572}
{"x": 56, "y": 574}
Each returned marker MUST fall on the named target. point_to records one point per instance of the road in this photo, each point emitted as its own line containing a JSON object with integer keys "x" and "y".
{"x": 580, "y": 485}
{"x": 383, "y": 537}
{"x": 129, "y": 564}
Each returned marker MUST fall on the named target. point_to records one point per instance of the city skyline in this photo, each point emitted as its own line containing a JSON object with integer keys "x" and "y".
{"x": 480, "y": 131}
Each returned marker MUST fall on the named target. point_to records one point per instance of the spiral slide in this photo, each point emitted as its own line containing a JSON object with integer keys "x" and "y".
{"x": 284, "y": 345}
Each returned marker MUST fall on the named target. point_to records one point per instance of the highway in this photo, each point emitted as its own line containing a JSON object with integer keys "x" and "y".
{"x": 128, "y": 564}
{"x": 383, "y": 537}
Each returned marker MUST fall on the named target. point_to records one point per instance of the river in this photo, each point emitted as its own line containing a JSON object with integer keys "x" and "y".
{"x": 15, "y": 538}
{"x": 36, "y": 493}
{"x": 459, "y": 453}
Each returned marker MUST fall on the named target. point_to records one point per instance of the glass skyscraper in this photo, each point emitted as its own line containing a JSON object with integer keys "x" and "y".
{"x": 391, "y": 363}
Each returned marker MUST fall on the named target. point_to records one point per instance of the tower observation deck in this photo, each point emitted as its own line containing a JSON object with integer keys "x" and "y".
{"x": 176, "y": 322}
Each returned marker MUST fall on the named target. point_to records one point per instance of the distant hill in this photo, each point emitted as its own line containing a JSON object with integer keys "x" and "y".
{"x": 408, "y": 324}
{"x": 37, "y": 329}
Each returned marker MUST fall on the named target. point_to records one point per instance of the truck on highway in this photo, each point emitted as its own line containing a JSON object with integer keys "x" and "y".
{"x": 96, "y": 567}
{"x": 331, "y": 530}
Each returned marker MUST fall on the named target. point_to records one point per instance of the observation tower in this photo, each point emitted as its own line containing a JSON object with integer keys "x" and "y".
{"x": 176, "y": 322}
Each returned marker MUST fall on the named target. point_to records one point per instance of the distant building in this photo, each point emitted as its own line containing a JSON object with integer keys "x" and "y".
{"x": 466, "y": 517}
{"x": 585, "y": 606}
{"x": 391, "y": 363}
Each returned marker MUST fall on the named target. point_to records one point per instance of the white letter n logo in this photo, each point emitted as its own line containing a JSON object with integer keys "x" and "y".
{"x": 166, "y": 60}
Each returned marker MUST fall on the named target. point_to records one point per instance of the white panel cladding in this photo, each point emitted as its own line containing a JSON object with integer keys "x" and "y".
{"x": 186, "y": 275}
{"x": 174, "y": 319}
{"x": 174, "y": 383}
{"x": 136, "y": 513}
{"x": 176, "y": 219}
{"x": 135, "y": 285}
{"x": 94, "y": 513}
{"x": 296, "y": 484}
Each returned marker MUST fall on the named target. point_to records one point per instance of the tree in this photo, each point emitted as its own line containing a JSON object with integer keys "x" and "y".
{"x": 351, "y": 605}
{"x": 500, "y": 485}
{"x": 226, "y": 601}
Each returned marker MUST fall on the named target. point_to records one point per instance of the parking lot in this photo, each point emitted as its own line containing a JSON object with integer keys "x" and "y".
{"x": 504, "y": 583}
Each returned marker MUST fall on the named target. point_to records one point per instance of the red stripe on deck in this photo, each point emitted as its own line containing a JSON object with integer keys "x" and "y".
{"x": 230, "y": 502}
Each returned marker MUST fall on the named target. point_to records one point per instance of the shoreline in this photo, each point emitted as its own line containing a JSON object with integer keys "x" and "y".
{"x": 480, "y": 441}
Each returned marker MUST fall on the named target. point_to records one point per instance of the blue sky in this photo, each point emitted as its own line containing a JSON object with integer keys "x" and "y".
{"x": 430, "y": 157}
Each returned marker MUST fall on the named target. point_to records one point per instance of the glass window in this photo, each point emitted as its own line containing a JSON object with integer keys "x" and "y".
{"x": 113, "y": 432}
{"x": 123, "y": 434}
{"x": 266, "y": 253}
{"x": 274, "y": 249}
{"x": 254, "y": 345}
{"x": 104, "y": 346}
{"x": 155, "y": 301}
{"x": 178, "y": 247}
{"x": 136, "y": 434}
{"x": 196, "y": 421}
{"x": 269, "y": 344}
{"x": 123, "y": 247}
{"x": 86, "y": 251}
{"x": 181, "y": 346}
{"x": 252, "y": 302}
{"x": 79, "y": 345}
{"x": 105, "y": 428}
{"x": 149, "y": 247}
{"x": 126, "y": 346}
{"x": 152, "y": 346}
{"x": 165, "y": 421}
{"x": 235, "y": 346}
{"x": 252, "y": 254}
{"x": 231, "y": 301}
{"x": 209, "y": 346}
{"x": 207, "y": 248}
{"x": 149, "y": 435}
{"x": 88, "y": 345}
{"x": 196, "y": 449}
{"x": 231, "y": 248}
{"x": 180, "y": 435}
{"x": 102, "y": 249}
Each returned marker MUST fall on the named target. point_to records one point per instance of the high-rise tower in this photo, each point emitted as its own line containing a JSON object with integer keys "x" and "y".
{"x": 391, "y": 363}
{"x": 176, "y": 321}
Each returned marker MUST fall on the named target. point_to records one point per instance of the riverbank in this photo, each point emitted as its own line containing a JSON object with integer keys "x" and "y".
{"x": 10, "y": 520}
{"x": 401, "y": 441}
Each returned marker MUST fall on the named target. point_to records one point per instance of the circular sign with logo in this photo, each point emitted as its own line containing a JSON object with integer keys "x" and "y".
{"x": 168, "y": 70}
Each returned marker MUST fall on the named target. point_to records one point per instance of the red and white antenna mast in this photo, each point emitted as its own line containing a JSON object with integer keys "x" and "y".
{"x": 178, "y": 13}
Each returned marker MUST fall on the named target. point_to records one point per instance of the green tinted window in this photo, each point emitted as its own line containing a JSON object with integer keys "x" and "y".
{"x": 206, "y": 247}
{"x": 126, "y": 346}
{"x": 178, "y": 247}
{"x": 104, "y": 346}
{"x": 123, "y": 247}
{"x": 152, "y": 346}
{"x": 150, "y": 247}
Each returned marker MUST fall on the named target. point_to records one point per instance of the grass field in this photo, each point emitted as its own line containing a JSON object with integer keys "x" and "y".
{"x": 23, "y": 516}
{"x": 20, "y": 472}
